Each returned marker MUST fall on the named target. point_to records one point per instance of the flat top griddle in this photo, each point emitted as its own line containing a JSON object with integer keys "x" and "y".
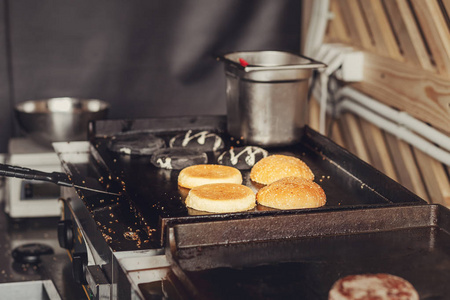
{"x": 302, "y": 255}
{"x": 152, "y": 197}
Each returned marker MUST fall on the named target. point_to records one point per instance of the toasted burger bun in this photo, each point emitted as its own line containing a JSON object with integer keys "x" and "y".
{"x": 292, "y": 193}
{"x": 275, "y": 167}
{"x": 197, "y": 175}
{"x": 372, "y": 286}
{"x": 221, "y": 198}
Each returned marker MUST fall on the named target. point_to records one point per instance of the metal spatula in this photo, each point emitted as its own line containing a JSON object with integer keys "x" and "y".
{"x": 54, "y": 177}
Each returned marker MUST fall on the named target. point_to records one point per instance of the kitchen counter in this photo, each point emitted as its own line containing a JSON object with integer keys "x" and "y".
{"x": 56, "y": 267}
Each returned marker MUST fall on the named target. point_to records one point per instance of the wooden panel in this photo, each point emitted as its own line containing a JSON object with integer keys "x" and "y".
{"x": 354, "y": 136}
{"x": 408, "y": 33}
{"x": 355, "y": 24}
{"x": 378, "y": 151}
{"x": 436, "y": 32}
{"x": 407, "y": 171}
{"x": 446, "y": 5}
{"x": 337, "y": 32}
{"x": 346, "y": 134}
{"x": 443, "y": 181}
{"x": 336, "y": 134}
{"x": 422, "y": 94}
{"x": 416, "y": 31}
{"x": 382, "y": 34}
{"x": 314, "y": 114}
{"x": 423, "y": 175}
{"x": 434, "y": 177}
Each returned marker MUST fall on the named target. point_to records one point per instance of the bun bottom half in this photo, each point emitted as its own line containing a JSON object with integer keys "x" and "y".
{"x": 221, "y": 198}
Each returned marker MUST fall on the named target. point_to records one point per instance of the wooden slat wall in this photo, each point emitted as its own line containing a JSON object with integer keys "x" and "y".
{"x": 421, "y": 174}
{"x": 423, "y": 94}
{"x": 407, "y": 66}
{"x": 435, "y": 30}
{"x": 407, "y": 52}
{"x": 381, "y": 31}
{"x": 408, "y": 34}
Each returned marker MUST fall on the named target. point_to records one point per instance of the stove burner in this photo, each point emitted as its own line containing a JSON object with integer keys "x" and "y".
{"x": 178, "y": 158}
{"x": 136, "y": 143}
{"x": 31, "y": 253}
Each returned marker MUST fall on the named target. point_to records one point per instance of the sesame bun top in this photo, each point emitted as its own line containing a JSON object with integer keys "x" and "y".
{"x": 292, "y": 193}
{"x": 275, "y": 167}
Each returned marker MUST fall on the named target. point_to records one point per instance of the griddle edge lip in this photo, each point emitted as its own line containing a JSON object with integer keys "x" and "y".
{"x": 435, "y": 215}
{"x": 377, "y": 219}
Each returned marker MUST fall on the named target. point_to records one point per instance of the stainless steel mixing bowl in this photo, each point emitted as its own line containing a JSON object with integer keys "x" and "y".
{"x": 59, "y": 119}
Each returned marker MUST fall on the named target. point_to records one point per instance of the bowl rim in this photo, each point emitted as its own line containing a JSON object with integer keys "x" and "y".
{"x": 19, "y": 107}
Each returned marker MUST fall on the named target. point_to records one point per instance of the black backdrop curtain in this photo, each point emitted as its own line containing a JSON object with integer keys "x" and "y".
{"x": 146, "y": 58}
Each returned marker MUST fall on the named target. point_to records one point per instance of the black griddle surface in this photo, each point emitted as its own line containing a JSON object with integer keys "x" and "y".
{"x": 304, "y": 263}
{"x": 348, "y": 182}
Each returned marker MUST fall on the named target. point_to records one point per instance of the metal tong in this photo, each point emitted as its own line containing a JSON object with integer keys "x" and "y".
{"x": 58, "y": 178}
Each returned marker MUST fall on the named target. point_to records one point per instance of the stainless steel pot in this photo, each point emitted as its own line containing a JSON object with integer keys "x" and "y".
{"x": 59, "y": 119}
{"x": 267, "y": 96}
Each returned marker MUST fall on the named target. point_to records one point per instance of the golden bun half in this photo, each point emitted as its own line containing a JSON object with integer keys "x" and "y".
{"x": 292, "y": 193}
{"x": 221, "y": 198}
{"x": 275, "y": 167}
{"x": 198, "y": 175}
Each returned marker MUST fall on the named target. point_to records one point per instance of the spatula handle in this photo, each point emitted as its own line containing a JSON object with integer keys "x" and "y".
{"x": 26, "y": 173}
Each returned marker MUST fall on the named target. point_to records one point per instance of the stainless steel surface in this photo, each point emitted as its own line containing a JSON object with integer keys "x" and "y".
{"x": 110, "y": 274}
{"x": 89, "y": 240}
{"x": 55, "y": 268}
{"x": 267, "y": 100}
{"x": 30, "y": 290}
{"x": 25, "y": 198}
{"x": 272, "y": 61}
{"x": 59, "y": 119}
{"x": 98, "y": 283}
